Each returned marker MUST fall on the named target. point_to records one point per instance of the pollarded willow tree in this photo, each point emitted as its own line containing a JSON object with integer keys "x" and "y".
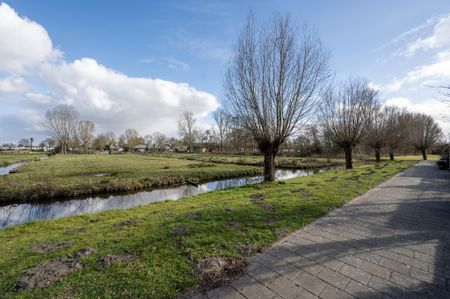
{"x": 425, "y": 132}
{"x": 347, "y": 115}
{"x": 274, "y": 81}
{"x": 377, "y": 133}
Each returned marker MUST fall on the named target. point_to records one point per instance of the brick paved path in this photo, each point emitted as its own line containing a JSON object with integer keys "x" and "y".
{"x": 394, "y": 241}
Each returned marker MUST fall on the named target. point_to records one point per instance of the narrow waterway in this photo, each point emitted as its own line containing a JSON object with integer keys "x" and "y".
{"x": 6, "y": 169}
{"x": 14, "y": 214}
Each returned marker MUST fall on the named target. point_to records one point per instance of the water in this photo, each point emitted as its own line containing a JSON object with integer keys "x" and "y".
{"x": 22, "y": 213}
{"x": 5, "y": 170}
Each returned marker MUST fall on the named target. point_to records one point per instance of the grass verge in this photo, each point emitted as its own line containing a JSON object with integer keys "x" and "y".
{"x": 153, "y": 251}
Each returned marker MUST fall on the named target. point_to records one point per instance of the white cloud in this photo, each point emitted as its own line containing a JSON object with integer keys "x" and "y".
{"x": 433, "y": 107}
{"x": 113, "y": 100}
{"x": 22, "y": 42}
{"x": 435, "y": 73}
{"x": 439, "y": 37}
{"x": 13, "y": 84}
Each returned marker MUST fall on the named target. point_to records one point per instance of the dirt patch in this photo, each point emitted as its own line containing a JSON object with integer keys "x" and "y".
{"x": 194, "y": 215}
{"x": 48, "y": 246}
{"x": 271, "y": 222}
{"x": 214, "y": 272}
{"x": 229, "y": 210}
{"x": 281, "y": 232}
{"x": 75, "y": 231}
{"x": 265, "y": 205}
{"x": 47, "y": 273}
{"x": 233, "y": 224}
{"x": 125, "y": 223}
{"x": 258, "y": 197}
{"x": 95, "y": 220}
{"x": 179, "y": 230}
{"x": 111, "y": 259}
{"x": 305, "y": 193}
{"x": 247, "y": 249}
{"x": 85, "y": 252}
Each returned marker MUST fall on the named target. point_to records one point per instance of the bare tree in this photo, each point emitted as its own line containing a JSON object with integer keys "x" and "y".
{"x": 186, "y": 128}
{"x": 347, "y": 115}
{"x": 85, "y": 133}
{"x": 60, "y": 123}
{"x": 396, "y": 129}
{"x": 273, "y": 83}
{"x": 159, "y": 140}
{"x": 223, "y": 125}
{"x": 377, "y": 133}
{"x": 425, "y": 132}
{"x": 148, "y": 141}
{"x": 132, "y": 138}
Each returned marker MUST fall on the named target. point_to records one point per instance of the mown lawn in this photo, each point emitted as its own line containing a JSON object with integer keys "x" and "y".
{"x": 10, "y": 158}
{"x": 78, "y": 175}
{"x": 156, "y": 247}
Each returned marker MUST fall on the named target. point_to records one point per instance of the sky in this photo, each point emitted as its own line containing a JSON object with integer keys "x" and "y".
{"x": 140, "y": 64}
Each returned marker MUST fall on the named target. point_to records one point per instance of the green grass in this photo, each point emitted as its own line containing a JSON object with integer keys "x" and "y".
{"x": 10, "y": 158}
{"x": 283, "y": 162}
{"x": 164, "y": 263}
{"x": 73, "y": 175}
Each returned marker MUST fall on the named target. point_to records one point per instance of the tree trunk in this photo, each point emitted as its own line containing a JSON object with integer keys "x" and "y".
{"x": 269, "y": 165}
{"x": 348, "y": 157}
{"x": 391, "y": 156}
{"x": 377, "y": 154}
{"x": 424, "y": 154}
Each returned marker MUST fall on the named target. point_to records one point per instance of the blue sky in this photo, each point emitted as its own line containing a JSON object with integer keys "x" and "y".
{"x": 100, "y": 56}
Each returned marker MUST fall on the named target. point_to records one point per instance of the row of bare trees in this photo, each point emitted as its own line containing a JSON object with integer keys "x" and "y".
{"x": 279, "y": 76}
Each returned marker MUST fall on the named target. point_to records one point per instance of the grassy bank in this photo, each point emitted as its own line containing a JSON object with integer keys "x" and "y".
{"x": 282, "y": 162}
{"x": 79, "y": 175}
{"x": 10, "y": 158}
{"x": 153, "y": 251}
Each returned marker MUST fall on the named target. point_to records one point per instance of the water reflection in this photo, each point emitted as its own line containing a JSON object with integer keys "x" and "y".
{"x": 5, "y": 170}
{"x": 22, "y": 213}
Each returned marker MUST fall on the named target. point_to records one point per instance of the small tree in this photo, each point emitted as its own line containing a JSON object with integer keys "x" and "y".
{"x": 186, "y": 128}
{"x": 273, "y": 83}
{"x": 377, "y": 133}
{"x": 223, "y": 126}
{"x": 85, "y": 134}
{"x": 60, "y": 123}
{"x": 425, "y": 132}
{"x": 347, "y": 115}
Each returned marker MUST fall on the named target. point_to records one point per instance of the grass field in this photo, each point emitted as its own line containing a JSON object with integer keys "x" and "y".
{"x": 10, "y": 158}
{"x": 77, "y": 175}
{"x": 282, "y": 162}
{"x": 160, "y": 250}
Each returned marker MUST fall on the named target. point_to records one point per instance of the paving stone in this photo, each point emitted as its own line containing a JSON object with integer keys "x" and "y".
{"x": 376, "y": 270}
{"x": 386, "y": 287}
{"x": 405, "y": 281}
{"x": 394, "y": 266}
{"x": 362, "y": 292}
{"x": 287, "y": 289}
{"x": 263, "y": 274}
{"x": 334, "y": 278}
{"x": 331, "y": 292}
{"x": 356, "y": 274}
{"x": 224, "y": 292}
{"x": 310, "y": 283}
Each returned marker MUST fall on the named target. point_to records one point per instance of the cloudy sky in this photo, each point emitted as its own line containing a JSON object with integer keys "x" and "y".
{"x": 140, "y": 64}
